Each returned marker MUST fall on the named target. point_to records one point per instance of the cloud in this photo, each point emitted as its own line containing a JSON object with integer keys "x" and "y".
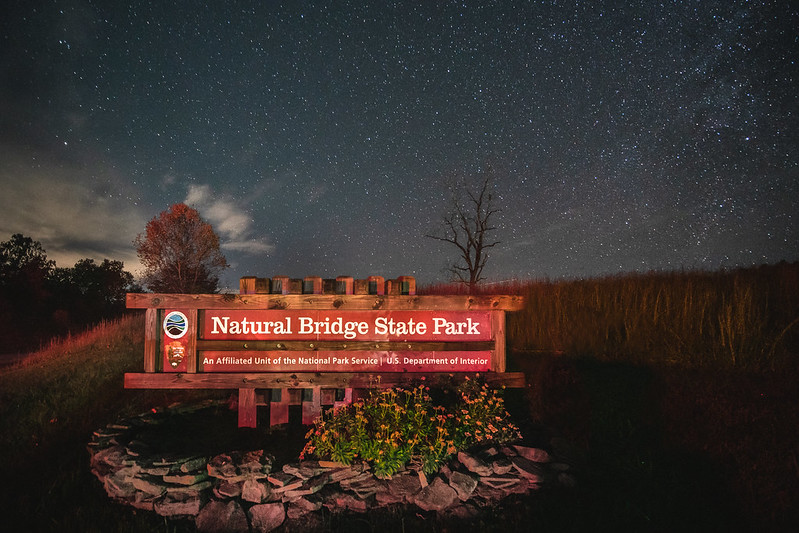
{"x": 229, "y": 220}
{"x": 75, "y": 211}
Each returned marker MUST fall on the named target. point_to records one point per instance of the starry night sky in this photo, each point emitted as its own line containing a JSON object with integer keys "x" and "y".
{"x": 318, "y": 138}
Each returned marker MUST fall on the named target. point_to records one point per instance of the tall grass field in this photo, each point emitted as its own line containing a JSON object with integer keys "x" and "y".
{"x": 678, "y": 391}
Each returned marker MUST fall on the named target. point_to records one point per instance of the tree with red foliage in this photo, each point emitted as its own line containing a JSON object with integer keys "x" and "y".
{"x": 180, "y": 253}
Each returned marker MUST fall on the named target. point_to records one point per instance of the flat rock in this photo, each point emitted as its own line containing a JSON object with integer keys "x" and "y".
{"x": 225, "y": 490}
{"x": 114, "y": 457}
{"x": 280, "y": 479}
{"x": 186, "y": 479}
{"x": 303, "y": 506}
{"x": 193, "y": 464}
{"x": 222, "y": 517}
{"x": 340, "y": 474}
{"x": 182, "y": 505}
{"x": 437, "y": 496}
{"x": 504, "y": 483}
{"x": 488, "y": 494}
{"x": 363, "y": 476}
{"x": 501, "y": 465}
{"x": 536, "y": 455}
{"x": 222, "y": 467}
{"x": 464, "y": 484}
{"x": 332, "y": 464}
{"x": 530, "y": 470}
{"x": 197, "y": 488}
{"x": 294, "y": 485}
{"x": 254, "y": 491}
{"x": 403, "y": 486}
{"x": 475, "y": 464}
{"x": 342, "y": 501}
{"x": 119, "y": 485}
{"x": 267, "y": 516}
{"x": 255, "y": 464}
{"x": 155, "y": 470}
{"x": 310, "y": 486}
{"x": 149, "y": 485}
{"x": 304, "y": 470}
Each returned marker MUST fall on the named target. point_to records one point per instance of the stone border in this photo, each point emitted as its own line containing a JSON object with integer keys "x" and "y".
{"x": 240, "y": 491}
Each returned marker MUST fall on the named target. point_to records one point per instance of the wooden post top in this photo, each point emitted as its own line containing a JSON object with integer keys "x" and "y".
{"x": 349, "y": 302}
{"x": 313, "y": 292}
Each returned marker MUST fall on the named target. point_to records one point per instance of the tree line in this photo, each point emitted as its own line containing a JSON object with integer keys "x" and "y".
{"x": 38, "y": 300}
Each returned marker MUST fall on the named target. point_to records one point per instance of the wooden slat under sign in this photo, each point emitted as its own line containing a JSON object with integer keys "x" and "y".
{"x": 313, "y": 409}
{"x": 338, "y": 380}
{"x": 279, "y": 409}
{"x": 247, "y": 408}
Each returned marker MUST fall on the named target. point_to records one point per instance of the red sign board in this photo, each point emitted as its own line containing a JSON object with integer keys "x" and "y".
{"x": 343, "y": 361}
{"x": 403, "y": 326}
{"x": 329, "y": 325}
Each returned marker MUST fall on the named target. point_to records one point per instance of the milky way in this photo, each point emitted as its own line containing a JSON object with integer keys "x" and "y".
{"x": 319, "y": 139}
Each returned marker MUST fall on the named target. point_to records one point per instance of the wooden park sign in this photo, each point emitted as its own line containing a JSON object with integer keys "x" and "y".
{"x": 313, "y": 341}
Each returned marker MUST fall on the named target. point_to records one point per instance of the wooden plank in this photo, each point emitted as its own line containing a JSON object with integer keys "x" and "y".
{"x": 280, "y": 285}
{"x": 346, "y": 400}
{"x": 312, "y": 285}
{"x": 313, "y": 409}
{"x": 279, "y": 410}
{"x": 191, "y": 341}
{"x": 328, "y": 396}
{"x": 355, "y": 302}
{"x": 309, "y": 379}
{"x": 248, "y": 411}
{"x": 151, "y": 331}
{"x": 376, "y": 285}
{"x": 253, "y": 285}
{"x": 247, "y": 285}
{"x": 360, "y": 286}
{"x": 407, "y": 285}
{"x": 498, "y": 329}
{"x": 345, "y": 285}
{"x": 344, "y": 346}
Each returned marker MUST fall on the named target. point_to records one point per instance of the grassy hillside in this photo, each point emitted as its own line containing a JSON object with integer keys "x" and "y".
{"x": 678, "y": 389}
{"x": 49, "y": 406}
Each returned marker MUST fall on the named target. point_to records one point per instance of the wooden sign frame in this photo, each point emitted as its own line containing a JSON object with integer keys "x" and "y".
{"x": 174, "y": 345}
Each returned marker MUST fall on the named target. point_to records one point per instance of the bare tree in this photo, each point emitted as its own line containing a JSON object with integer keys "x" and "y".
{"x": 467, "y": 227}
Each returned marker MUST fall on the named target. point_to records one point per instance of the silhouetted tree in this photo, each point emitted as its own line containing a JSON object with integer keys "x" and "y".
{"x": 180, "y": 252}
{"x": 24, "y": 291}
{"x": 39, "y": 300}
{"x": 467, "y": 226}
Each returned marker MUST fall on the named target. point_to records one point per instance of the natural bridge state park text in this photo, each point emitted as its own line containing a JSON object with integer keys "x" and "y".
{"x": 382, "y": 326}
{"x": 354, "y": 325}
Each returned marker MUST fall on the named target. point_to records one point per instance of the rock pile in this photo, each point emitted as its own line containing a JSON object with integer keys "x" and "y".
{"x": 241, "y": 491}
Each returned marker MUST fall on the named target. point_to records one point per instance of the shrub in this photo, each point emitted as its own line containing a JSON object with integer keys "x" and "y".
{"x": 393, "y": 427}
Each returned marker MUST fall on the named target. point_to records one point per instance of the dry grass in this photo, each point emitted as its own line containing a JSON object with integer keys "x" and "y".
{"x": 746, "y": 319}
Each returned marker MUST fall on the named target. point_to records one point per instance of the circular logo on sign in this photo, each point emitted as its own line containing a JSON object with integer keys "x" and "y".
{"x": 175, "y": 325}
